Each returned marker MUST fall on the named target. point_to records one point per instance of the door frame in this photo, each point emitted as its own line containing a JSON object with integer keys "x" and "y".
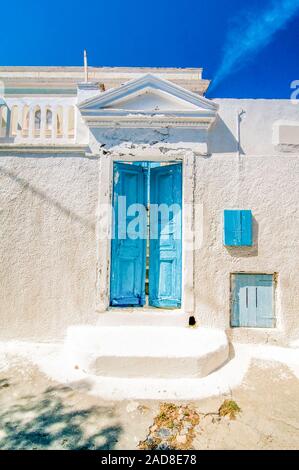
{"x": 104, "y": 224}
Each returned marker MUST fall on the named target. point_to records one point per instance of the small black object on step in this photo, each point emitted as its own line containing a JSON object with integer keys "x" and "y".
{"x": 192, "y": 321}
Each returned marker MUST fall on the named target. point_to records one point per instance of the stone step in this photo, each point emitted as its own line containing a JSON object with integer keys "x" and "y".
{"x": 145, "y": 316}
{"x": 145, "y": 351}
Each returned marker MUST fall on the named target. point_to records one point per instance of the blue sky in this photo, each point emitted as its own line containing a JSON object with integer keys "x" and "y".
{"x": 251, "y": 50}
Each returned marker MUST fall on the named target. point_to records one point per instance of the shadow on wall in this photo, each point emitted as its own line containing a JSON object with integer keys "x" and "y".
{"x": 46, "y": 421}
{"x": 221, "y": 139}
{"x": 247, "y": 251}
{"x": 44, "y": 197}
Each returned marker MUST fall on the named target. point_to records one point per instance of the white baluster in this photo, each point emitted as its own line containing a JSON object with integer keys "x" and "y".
{"x": 54, "y": 123}
{"x": 72, "y": 124}
{"x": 31, "y": 123}
{"x": 65, "y": 123}
{"x": 55, "y": 130}
{"x": 3, "y": 121}
{"x": 19, "y": 120}
{"x": 42, "y": 122}
{"x": 8, "y": 122}
{"x": 1, "y": 109}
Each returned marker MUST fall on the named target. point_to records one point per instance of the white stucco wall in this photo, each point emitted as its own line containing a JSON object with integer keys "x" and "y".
{"x": 50, "y": 259}
{"x": 265, "y": 180}
{"x": 256, "y": 132}
{"x": 269, "y": 187}
{"x": 47, "y": 248}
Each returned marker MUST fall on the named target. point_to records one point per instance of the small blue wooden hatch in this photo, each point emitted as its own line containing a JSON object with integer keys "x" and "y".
{"x": 238, "y": 228}
{"x": 252, "y": 301}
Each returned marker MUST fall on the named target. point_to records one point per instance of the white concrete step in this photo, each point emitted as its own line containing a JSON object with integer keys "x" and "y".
{"x": 145, "y": 316}
{"x": 146, "y": 351}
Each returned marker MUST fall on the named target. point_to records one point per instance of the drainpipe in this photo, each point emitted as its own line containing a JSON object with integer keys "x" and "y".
{"x": 85, "y": 67}
{"x": 240, "y": 114}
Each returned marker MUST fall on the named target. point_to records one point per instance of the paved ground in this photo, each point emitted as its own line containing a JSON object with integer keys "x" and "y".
{"x": 269, "y": 400}
{"x": 37, "y": 413}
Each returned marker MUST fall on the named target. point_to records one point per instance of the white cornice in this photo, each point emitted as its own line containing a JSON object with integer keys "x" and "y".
{"x": 20, "y": 148}
{"x": 149, "y": 122}
{"x": 18, "y": 78}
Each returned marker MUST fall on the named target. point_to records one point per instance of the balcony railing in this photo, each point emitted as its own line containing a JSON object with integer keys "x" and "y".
{"x": 38, "y": 121}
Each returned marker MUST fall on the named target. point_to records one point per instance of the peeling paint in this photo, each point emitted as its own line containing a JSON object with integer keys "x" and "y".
{"x": 116, "y": 177}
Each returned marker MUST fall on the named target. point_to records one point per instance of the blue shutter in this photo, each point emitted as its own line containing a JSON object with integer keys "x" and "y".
{"x": 264, "y": 301}
{"x": 165, "y": 274}
{"x": 246, "y": 228}
{"x": 252, "y": 300}
{"x": 128, "y": 253}
{"x": 232, "y": 228}
{"x": 237, "y": 228}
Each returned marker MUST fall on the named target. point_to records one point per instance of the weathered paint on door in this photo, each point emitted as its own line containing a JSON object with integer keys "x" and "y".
{"x": 128, "y": 252}
{"x": 252, "y": 300}
{"x": 165, "y": 272}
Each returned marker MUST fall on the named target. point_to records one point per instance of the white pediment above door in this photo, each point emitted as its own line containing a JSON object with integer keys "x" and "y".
{"x": 148, "y": 101}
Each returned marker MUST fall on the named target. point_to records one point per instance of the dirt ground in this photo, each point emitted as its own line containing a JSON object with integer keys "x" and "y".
{"x": 37, "y": 413}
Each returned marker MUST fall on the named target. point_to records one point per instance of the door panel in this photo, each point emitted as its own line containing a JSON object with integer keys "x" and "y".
{"x": 128, "y": 248}
{"x": 165, "y": 275}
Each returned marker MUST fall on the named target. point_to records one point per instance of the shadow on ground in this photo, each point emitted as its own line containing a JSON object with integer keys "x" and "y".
{"x": 47, "y": 421}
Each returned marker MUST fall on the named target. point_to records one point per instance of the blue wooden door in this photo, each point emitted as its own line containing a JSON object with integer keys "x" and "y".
{"x": 165, "y": 267}
{"x": 252, "y": 300}
{"x": 129, "y": 236}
